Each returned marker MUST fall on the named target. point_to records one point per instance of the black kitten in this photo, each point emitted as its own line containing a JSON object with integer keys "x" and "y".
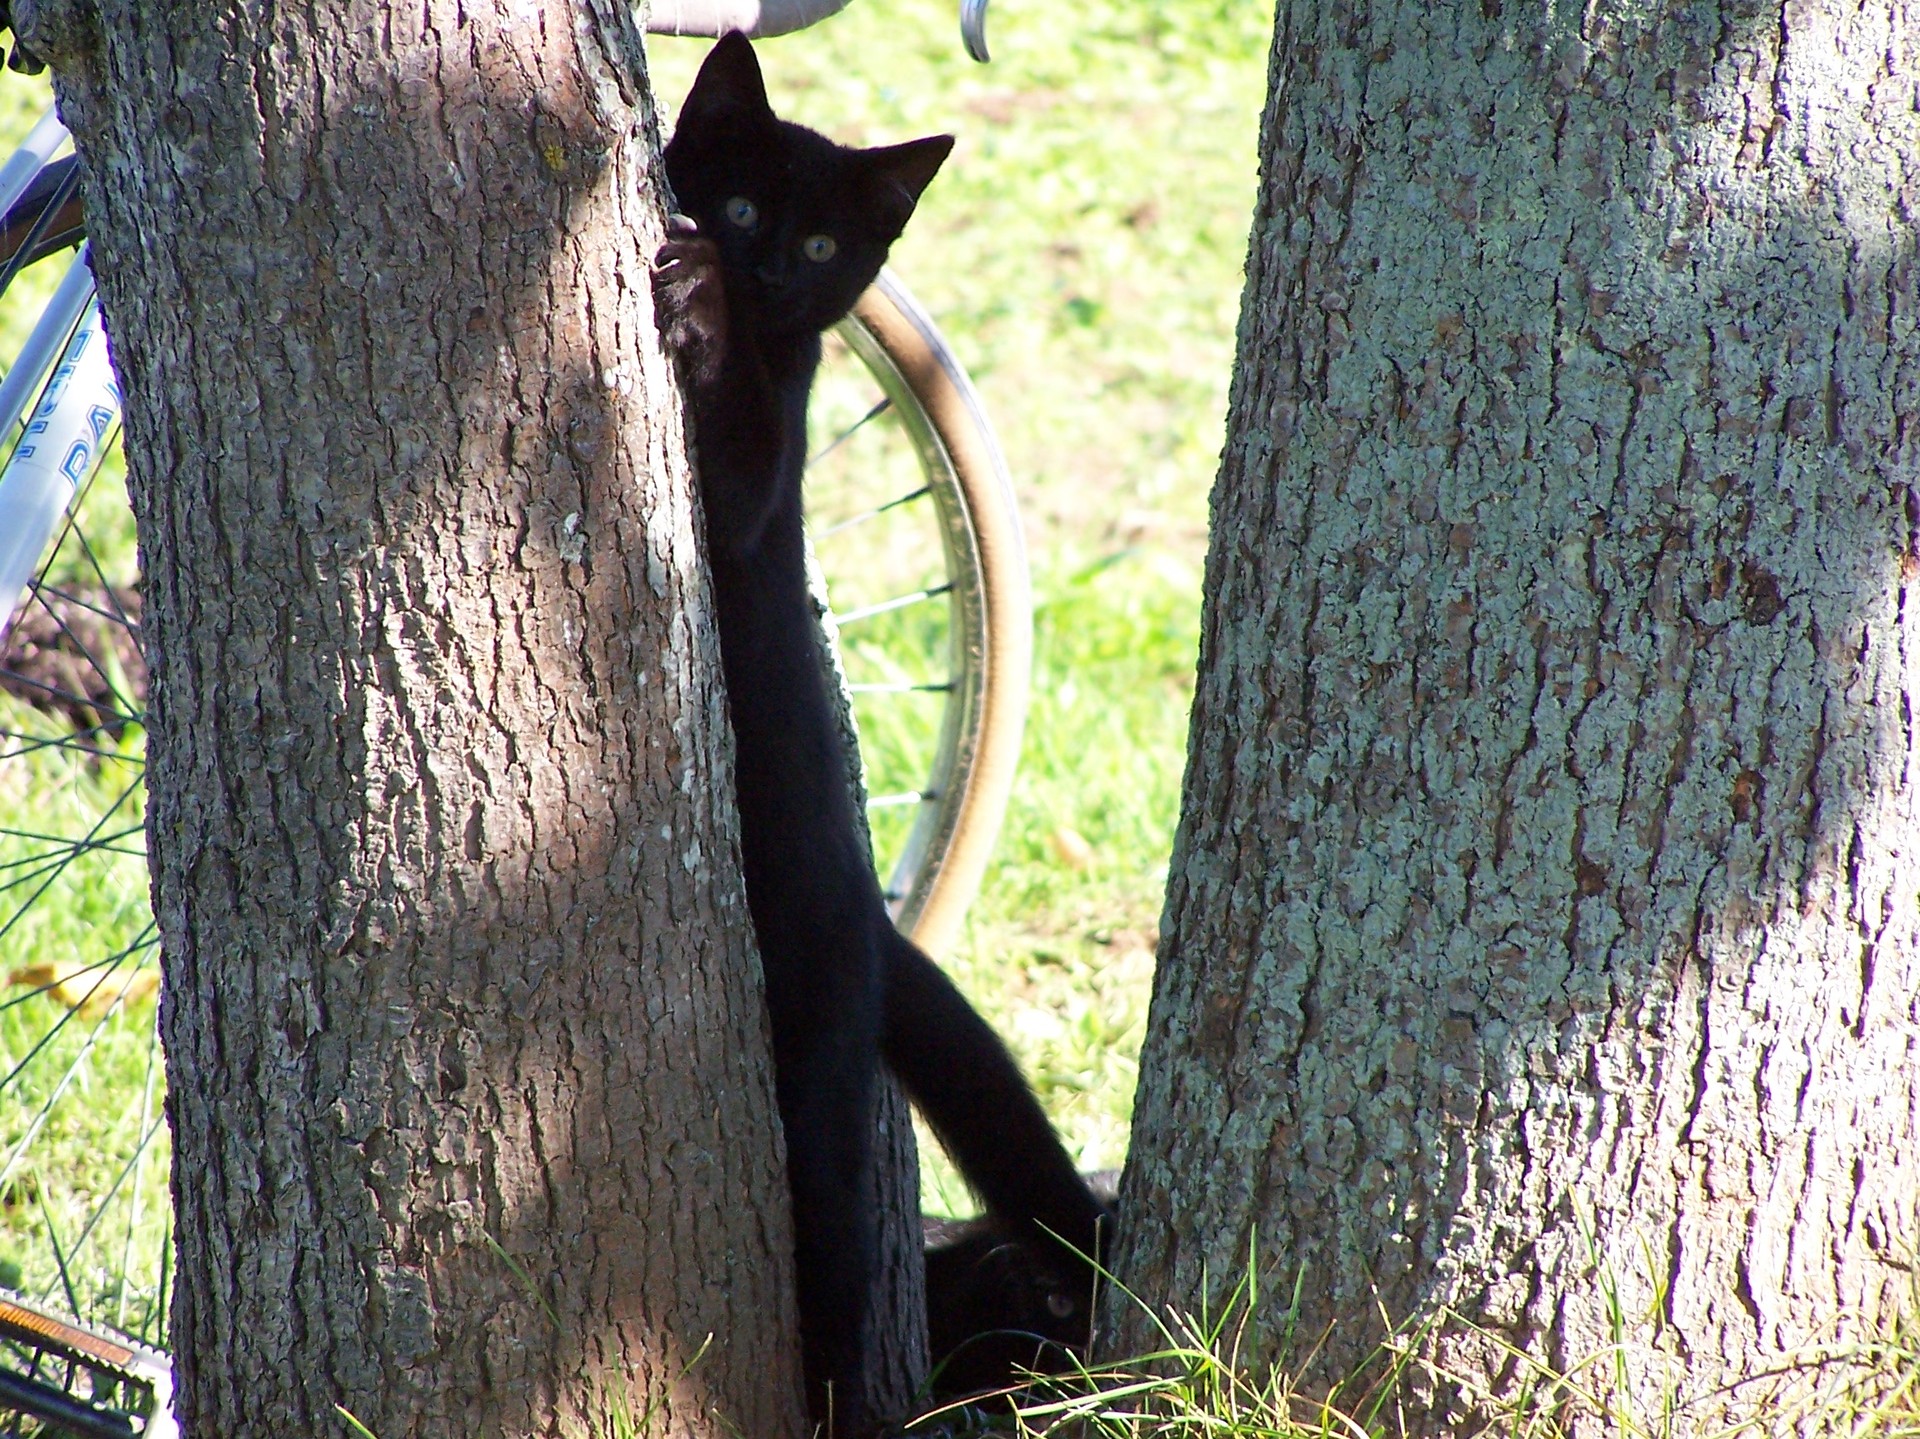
{"x": 994, "y": 1310}
{"x": 786, "y": 229}
{"x": 1000, "y": 1306}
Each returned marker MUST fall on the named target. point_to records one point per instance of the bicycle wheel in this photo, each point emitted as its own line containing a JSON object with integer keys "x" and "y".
{"x": 84, "y": 1212}
{"x": 926, "y": 582}
{"x": 940, "y": 736}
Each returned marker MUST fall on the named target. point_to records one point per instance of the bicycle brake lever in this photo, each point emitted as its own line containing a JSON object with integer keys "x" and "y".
{"x": 973, "y": 28}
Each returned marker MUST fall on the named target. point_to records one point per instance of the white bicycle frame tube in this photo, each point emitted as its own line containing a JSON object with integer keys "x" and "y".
{"x": 47, "y": 136}
{"x": 715, "y": 18}
{"x": 62, "y": 443}
{"x": 50, "y": 334}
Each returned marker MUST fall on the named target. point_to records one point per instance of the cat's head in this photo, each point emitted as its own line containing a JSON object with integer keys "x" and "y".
{"x": 802, "y": 224}
{"x": 998, "y": 1305}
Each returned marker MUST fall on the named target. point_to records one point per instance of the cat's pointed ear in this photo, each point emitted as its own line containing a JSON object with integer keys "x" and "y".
{"x": 728, "y": 86}
{"x": 898, "y": 173}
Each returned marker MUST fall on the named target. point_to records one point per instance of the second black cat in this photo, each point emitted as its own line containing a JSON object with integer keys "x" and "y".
{"x": 787, "y": 229}
{"x": 1000, "y": 1306}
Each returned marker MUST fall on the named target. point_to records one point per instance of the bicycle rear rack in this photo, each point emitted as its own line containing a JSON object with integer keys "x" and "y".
{"x": 82, "y": 1382}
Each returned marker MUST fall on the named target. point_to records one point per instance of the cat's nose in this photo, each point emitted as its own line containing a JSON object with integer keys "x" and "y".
{"x": 772, "y": 276}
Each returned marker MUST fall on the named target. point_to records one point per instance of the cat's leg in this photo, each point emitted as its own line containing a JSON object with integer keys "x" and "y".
{"x": 974, "y": 1097}
{"x": 741, "y": 428}
{"x": 826, "y": 1072}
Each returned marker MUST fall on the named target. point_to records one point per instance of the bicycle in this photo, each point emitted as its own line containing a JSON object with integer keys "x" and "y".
{"x": 905, "y": 466}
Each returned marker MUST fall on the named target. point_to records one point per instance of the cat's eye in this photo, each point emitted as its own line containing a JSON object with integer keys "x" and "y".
{"x": 818, "y": 248}
{"x": 1059, "y": 1306}
{"x": 742, "y": 212}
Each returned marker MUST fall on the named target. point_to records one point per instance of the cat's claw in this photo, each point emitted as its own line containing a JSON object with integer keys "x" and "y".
{"x": 690, "y": 300}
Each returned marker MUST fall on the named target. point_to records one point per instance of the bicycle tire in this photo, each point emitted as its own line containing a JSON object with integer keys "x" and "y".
{"x": 960, "y": 799}
{"x": 966, "y": 799}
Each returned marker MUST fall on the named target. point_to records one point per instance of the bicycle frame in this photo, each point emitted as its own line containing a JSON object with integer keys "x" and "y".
{"x": 79, "y": 405}
{"x": 714, "y": 18}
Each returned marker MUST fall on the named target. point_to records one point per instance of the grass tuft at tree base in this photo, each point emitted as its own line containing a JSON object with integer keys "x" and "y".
{"x": 1237, "y": 1370}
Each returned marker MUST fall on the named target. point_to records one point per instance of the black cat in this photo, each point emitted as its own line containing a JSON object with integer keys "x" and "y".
{"x": 1000, "y": 1306}
{"x": 785, "y": 230}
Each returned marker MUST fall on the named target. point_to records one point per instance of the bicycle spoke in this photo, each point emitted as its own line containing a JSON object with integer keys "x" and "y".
{"x": 33, "y": 866}
{"x": 33, "y": 744}
{"x": 14, "y": 919}
{"x": 100, "y": 1209}
{"x": 53, "y": 864}
{"x": 108, "y": 963}
{"x": 59, "y": 1255}
{"x": 166, "y": 1273}
{"x": 70, "y": 526}
{"x": 53, "y": 692}
{"x": 850, "y": 431}
{"x": 79, "y": 602}
{"x": 86, "y": 548}
{"x": 898, "y": 602}
{"x": 125, "y": 709}
{"x": 133, "y": 1208}
{"x": 941, "y": 687}
{"x": 59, "y": 1024}
{"x": 875, "y": 512}
{"x": 910, "y": 796}
{"x": 63, "y": 839}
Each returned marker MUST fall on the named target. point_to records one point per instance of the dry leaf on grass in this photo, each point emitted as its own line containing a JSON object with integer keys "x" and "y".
{"x": 85, "y": 987}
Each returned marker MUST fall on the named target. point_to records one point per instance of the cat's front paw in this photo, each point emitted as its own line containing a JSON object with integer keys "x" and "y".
{"x": 690, "y": 299}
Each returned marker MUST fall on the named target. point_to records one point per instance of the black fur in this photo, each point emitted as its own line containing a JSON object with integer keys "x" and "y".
{"x": 1001, "y": 1306}
{"x": 744, "y": 304}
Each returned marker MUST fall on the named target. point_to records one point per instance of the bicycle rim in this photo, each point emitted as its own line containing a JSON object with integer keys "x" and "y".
{"x": 921, "y": 546}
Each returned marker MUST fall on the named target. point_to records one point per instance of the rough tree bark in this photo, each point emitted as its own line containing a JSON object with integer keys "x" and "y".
{"x": 471, "y": 1106}
{"x": 1543, "y": 911}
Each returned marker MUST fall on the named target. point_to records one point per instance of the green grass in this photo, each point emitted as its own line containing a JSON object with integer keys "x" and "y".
{"x": 1234, "y": 1372}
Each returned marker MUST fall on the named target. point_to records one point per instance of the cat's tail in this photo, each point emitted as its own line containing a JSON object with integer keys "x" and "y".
{"x": 972, "y": 1094}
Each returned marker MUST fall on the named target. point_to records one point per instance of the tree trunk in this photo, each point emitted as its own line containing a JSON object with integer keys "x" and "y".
{"x": 1541, "y": 928}
{"x": 470, "y": 1095}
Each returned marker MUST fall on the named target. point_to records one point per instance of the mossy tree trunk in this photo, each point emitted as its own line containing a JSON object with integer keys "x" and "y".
{"x": 1542, "y": 920}
{"x": 472, "y": 1112}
